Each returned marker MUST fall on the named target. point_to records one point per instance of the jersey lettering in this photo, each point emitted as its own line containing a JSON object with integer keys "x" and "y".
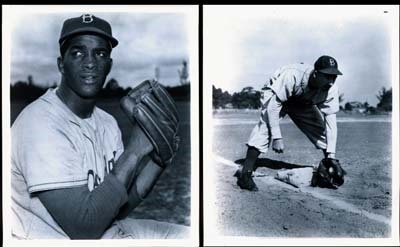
{"x": 111, "y": 163}
{"x": 93, "y": 178}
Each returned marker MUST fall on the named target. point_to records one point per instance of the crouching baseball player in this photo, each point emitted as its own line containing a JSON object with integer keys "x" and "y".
{"x": 72, "y": 177}
{"x": 310, "y": 97}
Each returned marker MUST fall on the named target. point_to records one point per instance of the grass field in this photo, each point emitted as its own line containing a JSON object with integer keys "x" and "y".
{"x": 170, "y": 198}
{"x": 363, "y": 147}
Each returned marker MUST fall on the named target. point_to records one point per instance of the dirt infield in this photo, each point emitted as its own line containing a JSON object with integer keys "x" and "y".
{"x": 361, "y": 208}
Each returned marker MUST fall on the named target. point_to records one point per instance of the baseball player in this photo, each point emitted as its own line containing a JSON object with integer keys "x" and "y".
{"x": 309, "y": 95}
{"x": 71, "y": 175}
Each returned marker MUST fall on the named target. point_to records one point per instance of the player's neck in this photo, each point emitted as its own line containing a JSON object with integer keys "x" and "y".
{"x": 82, "y": 107}
{"x": 311, "y": 82}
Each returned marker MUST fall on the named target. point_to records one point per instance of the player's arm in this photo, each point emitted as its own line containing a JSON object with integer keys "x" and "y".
{"x": 329, "y": 108}
{"x": 146, "y": 176}
{"x": 282, "y": 84}
{"x": 331, "y": 135}
{"x": 272, "y": 109}
{"x": 85, "y": 214}
{"x": 137, "y": 148}
{"x": 152, "y": 110}
{"x": 137, "y": 172}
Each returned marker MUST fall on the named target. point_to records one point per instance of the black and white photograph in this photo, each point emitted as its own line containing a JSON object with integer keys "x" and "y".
{"x": 100, "y": 124}
{"x": 301, "y": 112}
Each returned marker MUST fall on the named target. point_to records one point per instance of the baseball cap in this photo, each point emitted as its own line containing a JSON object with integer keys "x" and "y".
{"x": 327, "y": 65}
{"x": 87, "y": 23}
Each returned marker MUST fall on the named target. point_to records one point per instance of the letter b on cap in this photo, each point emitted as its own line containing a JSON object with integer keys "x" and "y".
{"x": 331, "y": 62}
{"x": 87, "y": 18}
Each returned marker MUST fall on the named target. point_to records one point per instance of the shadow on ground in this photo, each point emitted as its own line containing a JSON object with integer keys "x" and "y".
{"x": 273, "y": 164}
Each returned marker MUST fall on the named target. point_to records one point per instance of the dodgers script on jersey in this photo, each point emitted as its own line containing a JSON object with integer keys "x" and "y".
{"x": 52, "y": 148}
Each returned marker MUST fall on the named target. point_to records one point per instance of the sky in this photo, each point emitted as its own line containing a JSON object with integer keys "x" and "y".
{"x": 146, "y": 41}
{"x": 245, "y": 45}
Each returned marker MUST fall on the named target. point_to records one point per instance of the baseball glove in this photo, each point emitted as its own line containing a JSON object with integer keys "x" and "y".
{"x": 152, "y": 108}
{"x": 329, "y": 174}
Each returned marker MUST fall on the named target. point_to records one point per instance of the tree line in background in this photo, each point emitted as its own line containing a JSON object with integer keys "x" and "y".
{"x": 29, "y": 90}
{"x": 249, "y": 98}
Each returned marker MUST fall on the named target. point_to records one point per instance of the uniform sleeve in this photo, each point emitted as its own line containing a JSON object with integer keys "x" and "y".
{"x": 271, "y": 116}
{"x": 83, "y": 214}
{"x": 48, "y": 156}
{"x": 330, "y": 107}
{"x": 331, "y": 104}
{"x": 331, "y": 133}
{"x": 282, "y": 83}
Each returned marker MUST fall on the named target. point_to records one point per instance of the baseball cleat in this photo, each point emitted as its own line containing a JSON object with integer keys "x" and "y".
{"x": 245, "y": 181}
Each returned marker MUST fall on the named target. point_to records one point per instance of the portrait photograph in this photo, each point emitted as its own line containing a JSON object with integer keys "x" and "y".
{"x": 301, "y": 118}
{"x": 100, "y": 125}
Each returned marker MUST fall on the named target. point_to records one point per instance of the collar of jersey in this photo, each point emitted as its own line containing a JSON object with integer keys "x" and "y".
{"x": 72, "y": 117}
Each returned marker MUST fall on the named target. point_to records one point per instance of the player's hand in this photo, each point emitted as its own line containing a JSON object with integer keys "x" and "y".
{"x": 138, "y": 143}
{"x": 129, "y": 162}
{"x": 151, "y": 107}
{"x": 277, "y": 145}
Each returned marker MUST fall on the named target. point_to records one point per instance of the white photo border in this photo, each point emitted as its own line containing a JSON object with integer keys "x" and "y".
{"x": 11, "y": 13}
{"x": 210, "y": 14}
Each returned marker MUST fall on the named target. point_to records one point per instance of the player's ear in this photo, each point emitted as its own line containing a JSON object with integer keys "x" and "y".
{"x": 110, "y": 66}
{"x": 60, "y": 64}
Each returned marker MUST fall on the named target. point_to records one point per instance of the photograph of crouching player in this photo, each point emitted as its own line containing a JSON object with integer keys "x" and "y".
{"x": 310, "y": 97}
{"x": 84, "y": 163}
{"x": 301, "y": 113}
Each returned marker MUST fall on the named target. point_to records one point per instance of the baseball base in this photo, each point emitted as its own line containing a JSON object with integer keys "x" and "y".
{"x": 299, "y": 177}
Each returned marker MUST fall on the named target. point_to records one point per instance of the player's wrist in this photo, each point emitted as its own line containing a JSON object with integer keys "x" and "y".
{"x": 330, "y": 155}
{"x": 135, "y": 153}
{"x": 126, "y": 166}
{"x": 277, "y": 139}
{"x": 276, "y": 133}
{"x": 147, "y": 178}
{"x": 139, "y": 143}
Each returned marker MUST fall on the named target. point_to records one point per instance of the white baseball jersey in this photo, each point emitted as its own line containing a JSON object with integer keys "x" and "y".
{"x": 52, "y": 148}
{"x": 290, "y": 84}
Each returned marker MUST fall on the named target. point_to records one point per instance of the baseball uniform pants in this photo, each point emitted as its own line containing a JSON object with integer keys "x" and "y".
{"x": 309, "y": 119}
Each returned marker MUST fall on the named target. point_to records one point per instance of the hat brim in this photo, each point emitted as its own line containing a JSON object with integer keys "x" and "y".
{"x": 90, "y": 30}
{"x": 331, "y": 71}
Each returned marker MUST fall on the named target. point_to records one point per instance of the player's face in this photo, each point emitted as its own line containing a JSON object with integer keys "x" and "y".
{"x": 86, "y": 64}
{"x": 323, "y": 81}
